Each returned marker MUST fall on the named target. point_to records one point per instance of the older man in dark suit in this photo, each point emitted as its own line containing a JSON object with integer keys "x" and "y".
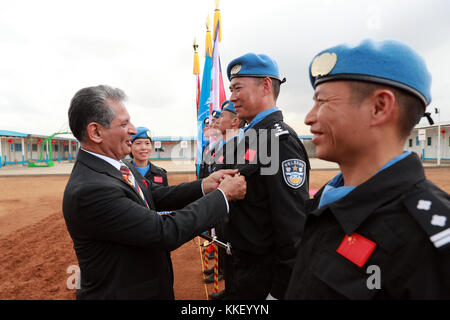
{"x": 120, "y": 240}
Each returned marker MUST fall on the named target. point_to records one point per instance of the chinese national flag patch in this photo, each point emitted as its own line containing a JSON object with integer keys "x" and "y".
{"x": 356, "y": 248}
{"x": 158, "y": 179}
{"x": 250, "y": 155}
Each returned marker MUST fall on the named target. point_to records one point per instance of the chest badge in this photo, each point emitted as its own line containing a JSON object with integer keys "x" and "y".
{"x": 294, "y": 172}
{"x": 356, "y": 248}
{"x": 158, "y": 179}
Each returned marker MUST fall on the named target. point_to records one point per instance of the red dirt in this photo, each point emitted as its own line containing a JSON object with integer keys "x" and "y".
{"x": 36, "y": 249}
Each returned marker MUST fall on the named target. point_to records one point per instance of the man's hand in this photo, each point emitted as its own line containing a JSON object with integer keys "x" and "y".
{"x": 234, "y": 188}
{"x": 214, "y": 179}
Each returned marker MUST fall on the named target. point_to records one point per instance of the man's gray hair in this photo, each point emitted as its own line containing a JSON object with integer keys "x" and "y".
{"x": 90, "y": 105}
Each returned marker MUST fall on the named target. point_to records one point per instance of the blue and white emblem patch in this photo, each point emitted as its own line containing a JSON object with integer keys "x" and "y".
{"x": 294, "y": 172}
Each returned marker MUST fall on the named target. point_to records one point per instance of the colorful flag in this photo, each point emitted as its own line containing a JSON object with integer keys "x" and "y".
{"x": 205, "y": 97}
{"x": 217, "y": 87}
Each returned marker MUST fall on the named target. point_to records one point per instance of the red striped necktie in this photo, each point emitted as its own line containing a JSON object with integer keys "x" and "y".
{"x": 129, "y": 178}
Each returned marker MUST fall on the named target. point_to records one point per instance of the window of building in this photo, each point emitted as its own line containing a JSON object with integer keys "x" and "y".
{"x": 417, "y": 141}
{"x": 34, "y": 147}
{"x": 410, "y": 143}
{"x": 17, "y": 147}
{"x": 428, "y": 141}
{"x": 56, "y": 147}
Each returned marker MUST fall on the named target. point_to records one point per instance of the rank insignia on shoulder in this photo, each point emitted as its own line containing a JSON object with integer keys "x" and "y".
{"x": 294, "y": 172}
{"x": 279, "y": 130}
{"x": 432, "y": 215}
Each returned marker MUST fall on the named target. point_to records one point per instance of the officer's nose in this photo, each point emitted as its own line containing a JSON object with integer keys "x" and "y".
{"x": 233, "y": 96}
{"x": 311, "y": 117}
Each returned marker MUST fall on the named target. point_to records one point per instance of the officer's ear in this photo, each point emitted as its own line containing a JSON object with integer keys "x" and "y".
{"x": 95, "y": 132}
{"x": 267, "y": 83}
{"x": 235, "y": 122}
{"x": 383, "y": 109}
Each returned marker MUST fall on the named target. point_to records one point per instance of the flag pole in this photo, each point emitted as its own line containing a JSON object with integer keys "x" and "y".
{"x": 196, "y": 72}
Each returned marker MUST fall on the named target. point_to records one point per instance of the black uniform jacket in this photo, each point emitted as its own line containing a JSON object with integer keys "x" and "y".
{"x": 270, "y": 219}
{"x": 121, "y": 245}
{"x": 157, "y": 175}
{"x": 395, "y": 210}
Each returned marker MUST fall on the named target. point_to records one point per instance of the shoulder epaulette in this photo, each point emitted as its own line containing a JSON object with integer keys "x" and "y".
{"x": 280, "y": 130}
{"x": 432, "y": 214}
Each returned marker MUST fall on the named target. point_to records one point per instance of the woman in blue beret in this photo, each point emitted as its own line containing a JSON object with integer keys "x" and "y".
{"x": 141, "y": 148}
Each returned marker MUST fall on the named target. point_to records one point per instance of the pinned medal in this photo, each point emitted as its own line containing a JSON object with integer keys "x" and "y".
{"x": 323, "y": 64}
{"x": 235, "y": 70}
{"x": 148, "y": 134}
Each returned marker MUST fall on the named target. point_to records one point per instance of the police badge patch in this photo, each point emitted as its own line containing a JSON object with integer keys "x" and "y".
{"x": 294, "y": 172}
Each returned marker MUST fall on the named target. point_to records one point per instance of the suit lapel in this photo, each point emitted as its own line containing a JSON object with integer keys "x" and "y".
{"x": 104, "y": 167}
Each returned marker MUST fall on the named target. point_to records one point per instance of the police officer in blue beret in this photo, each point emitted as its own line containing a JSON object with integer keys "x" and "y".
{"x": 379, "y": 229}
{"x": 230, "y": 126}
{"x": 264, "y": 227}
{"x": 141, "y": 148}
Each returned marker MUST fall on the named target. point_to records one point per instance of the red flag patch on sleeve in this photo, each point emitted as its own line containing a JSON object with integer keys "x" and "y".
{"x": 158, "y": 179}
{"x": 250, "y": 155}
{"x": 356, "y": 248}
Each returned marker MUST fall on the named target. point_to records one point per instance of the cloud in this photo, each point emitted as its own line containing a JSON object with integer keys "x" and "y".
{"x": 51, "y": 49}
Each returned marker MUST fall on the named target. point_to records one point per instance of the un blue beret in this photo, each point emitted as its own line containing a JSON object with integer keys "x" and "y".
{"x": 227, "y": 105}
{"x": 142, "y": 133}
{"x": 216, "y": 114}
{"x": 253, "y": 65}
{"x": 387, "y": 62}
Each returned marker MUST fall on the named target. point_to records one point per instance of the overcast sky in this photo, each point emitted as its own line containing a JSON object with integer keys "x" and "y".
{"x": 51, "y": 49}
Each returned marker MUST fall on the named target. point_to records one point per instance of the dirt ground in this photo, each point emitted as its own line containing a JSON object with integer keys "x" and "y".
{"x": 36, "y": 250}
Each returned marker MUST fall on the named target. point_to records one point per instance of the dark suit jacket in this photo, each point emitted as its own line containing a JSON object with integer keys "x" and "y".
{"x": 120, "y": 244}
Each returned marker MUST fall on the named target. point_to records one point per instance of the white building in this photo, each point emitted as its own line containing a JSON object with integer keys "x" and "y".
{"x": 427, "y": 148}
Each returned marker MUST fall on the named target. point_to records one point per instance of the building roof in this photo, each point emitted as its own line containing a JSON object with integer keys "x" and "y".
{"x": 435, "y": 125}
{"x": 6, "y": 133}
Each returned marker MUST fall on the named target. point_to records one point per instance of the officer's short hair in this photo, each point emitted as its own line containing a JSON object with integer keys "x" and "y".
{"x": 275, "y": 86}
{"x": 89, "y": 105}
{"x": 411, "y": 107}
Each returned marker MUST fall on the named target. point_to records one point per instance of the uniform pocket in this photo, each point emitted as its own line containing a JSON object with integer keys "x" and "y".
{"x": 342, "y": 276}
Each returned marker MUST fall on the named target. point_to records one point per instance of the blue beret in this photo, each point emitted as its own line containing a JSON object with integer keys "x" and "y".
{"x": 387, "y": 62}
{"x": 216, "y": 113}
{"x": 142, "y": 133}
{"x": 253, "y": 65}
{"x": 228, "y": 106}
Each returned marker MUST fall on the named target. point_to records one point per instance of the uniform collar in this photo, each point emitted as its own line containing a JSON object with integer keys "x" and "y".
{"x": 353, "y": 209}
{"x": 274, "y": 116}
{"x": 260, "y": 116}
